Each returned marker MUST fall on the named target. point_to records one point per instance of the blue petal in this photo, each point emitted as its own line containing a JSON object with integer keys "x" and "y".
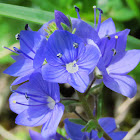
{"x": 61, "y": 18}
{"x": 44, "y": 27}
{"x": 35, "y": 135}
{"x": 50, "y": 127}
{"x": 34, "y": 116}
{"x": 108, "y": 124}
{"x": 61, "y": 42}
{"x": 73, "y": 130}
{"x": 56, "y": 74}
{"x": 122, "y": 84}
{"x": 23, "y": 78}
{"x": 20, "y": 68}
{"x": 29, "y": 41}
{"x": 124, "y": 63}
{"x": 107, "y": 28}
{"x": 118, "y": 135}
{"x": 84, "y": 30}
{"x": 37, "y": 85}
{"x": 40, "y": 54}
{"x": 79, "y": 81}
{"x": 106, "y": 45}
{"x": 88, "y": 61}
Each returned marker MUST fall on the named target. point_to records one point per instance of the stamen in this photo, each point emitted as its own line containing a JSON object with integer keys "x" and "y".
{"x": 99, "y": 20}
{"x": 109, "y": 37}
{"x": 77, "y": 10}
{"x": 20, "y": 51}
{"x": 14, "y": 101}
{"x": 94, "y": 7}
{"x": 26, "y": 96}
{"x": 17, "y": 36}
{"x": 27, "y": 27}
{"x": 116, "y": 37}
{"x": 10, "y": 50}
{"x": 114, "y": 52}
{"x": 59, "y": 55}
{"x": 75, "y": 45}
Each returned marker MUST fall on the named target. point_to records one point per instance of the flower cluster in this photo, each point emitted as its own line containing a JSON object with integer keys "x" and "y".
{"x": 68, "y": 50}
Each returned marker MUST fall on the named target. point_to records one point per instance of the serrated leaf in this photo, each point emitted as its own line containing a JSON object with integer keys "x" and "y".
{"x": 78, "y": 121}
{"x": 24, "y": 13}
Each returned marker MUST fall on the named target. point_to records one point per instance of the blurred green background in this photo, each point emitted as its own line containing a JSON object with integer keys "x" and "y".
{"x": 125, "y": 13}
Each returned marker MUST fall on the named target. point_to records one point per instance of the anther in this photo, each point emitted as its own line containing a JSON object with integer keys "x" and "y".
{"x": 114, "y": 52}
{"x": 26, "y": 96}
{"x": 14, "y": 101}
{"x": 26, "y": 27}
{"x": 76, "y": 8}
{"x": 100, "y": 10}
{"x": 75, "y": 45}
{"x": 17, "y": 36}
{"x": 116, "y": 37}
{"x": 109, "y": 37}
{"x": 59, "y": 55}
{"x": 94, "y": 6}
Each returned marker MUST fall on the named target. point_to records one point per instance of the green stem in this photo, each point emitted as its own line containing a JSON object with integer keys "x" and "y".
{"x": 90, "y": 114}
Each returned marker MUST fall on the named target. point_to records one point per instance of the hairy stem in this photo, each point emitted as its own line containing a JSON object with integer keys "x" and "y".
{"x": 90, "y": 115}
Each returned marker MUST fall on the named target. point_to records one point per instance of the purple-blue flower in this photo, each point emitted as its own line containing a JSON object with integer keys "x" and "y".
{"x": 69, "y": 60}
{"x": 37, "y": 136}
{"x": 116, "y": 63}
{"x": 108, "y": 124}
{"x": 30, "y": 55}
{"x": 37, "y": 103}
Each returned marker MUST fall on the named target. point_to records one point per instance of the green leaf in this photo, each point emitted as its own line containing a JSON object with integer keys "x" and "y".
{"x": 100, "y": 134}
{"x": 89, "y": 126}
{"x": 24, "y": 13}
{"x": 78, "y": 121}
{"x": 133, "y": 43}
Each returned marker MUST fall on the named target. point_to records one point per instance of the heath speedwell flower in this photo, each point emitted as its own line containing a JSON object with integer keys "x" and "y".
{"x": 30, "y": 55}
{"x": 69, "y": 60}
{"x": 108, "y": 124}
{"x": 37, "y": 103}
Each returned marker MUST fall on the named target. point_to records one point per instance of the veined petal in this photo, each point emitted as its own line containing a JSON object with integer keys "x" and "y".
{"x": 79, "y": 81}
{"x": 122, "y": 84}
{"x": 107, "y": 28}
{"x": 20, "y": 68}
{"x": 84, "y": 30}
{"x": 38, "y": 86}
{"x": 35, "y": 135}
{"x": 40, "y": 54}
{"x": 34, "y": 116}
{"x": 55, "y": 73}
{"x": 50, "y": 127}
{"x": 124, "y": 63}
{"x": 29, "y": 42}
{"x": 73, "y": 130}
{"x": 63, "y": 47}
{"x": 61, "y": 18}
{"x": 88, "y": 61}
{"x": 118, "y": 135}
{"x": 108, "y": 124}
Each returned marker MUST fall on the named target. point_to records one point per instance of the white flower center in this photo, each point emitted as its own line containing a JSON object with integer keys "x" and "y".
{"x": 51, "y": 102}
{"x": 72, "y": 67}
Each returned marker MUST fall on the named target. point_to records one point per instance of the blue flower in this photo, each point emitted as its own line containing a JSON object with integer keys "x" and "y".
{"x": 116, "y": 63}
{"x": 37, "y": 136}
{"x": 30, "y": 55}
{"x": 37, "y": 103}
{"x": 69, "y": 60}
{"x": 108, "y": 124}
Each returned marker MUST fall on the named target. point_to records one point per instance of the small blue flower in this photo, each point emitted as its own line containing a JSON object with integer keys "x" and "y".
{"x": 116, "y": 63}
{"x": 37, "y": 136}
{"x": 30, "y": 56}
{"x": 37, "y": 103}
{"x": 108, "y": 124}
{"x": 69, "y": 60}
